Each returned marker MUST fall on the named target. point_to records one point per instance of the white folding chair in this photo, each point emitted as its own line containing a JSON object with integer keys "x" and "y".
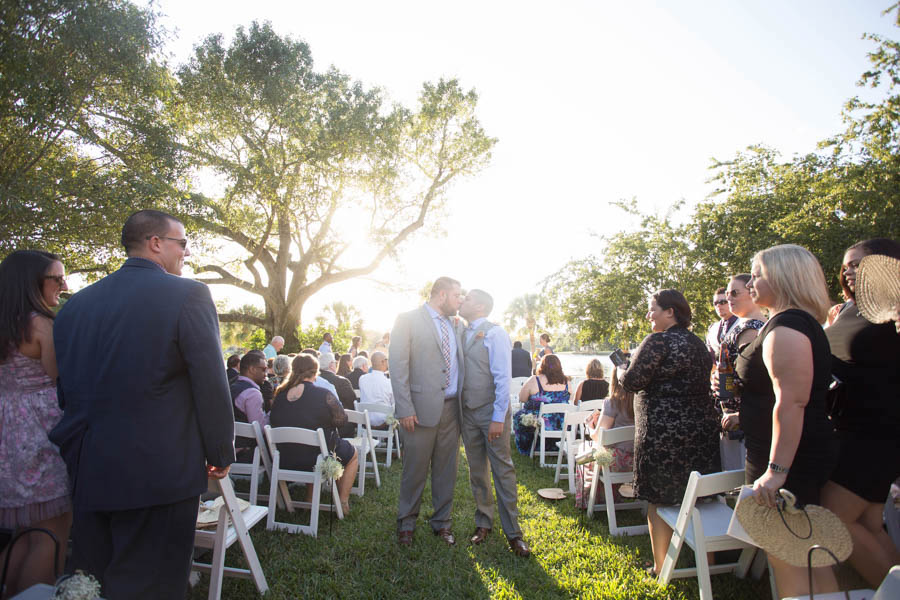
{"x": 571, "y": 446}
{"x": 391, "y": 436}
{"x": 607, "y": 478}
{"x": 591, "y": 405}
{"x": 281, "y": 477}
{"x": 515, "y": 386}
{"x": 365, "y": 448}
{"x": 233, "y": 526}
{"x": 703, "y": 528}
{"x": 544, "y": 434}
{"x": 253, "y": 469}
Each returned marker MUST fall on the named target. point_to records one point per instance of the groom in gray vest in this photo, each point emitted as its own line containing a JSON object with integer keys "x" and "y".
{"x": 486, "y": 420}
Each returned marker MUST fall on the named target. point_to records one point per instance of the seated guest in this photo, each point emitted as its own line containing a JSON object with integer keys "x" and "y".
{"x": 374, "y": 386}
{"x": 267, "y": 387}
{"x": 247, "y": 400}
{"x": 300, "y": 403}
{"x": 594, "y": 387}
{"x": 282, "y": 368}
{"x": 618, "y": 411}
{"x": 345, "y": 365}
{"x": 345, "y": 393}
{"x": 548, "y": 386}
{"x": 274, "y": 347}
{"x": 360, "y": 368}
{"x": 232, "y": 365}
{"x": 362, "y": 353}
{"x": 320, "y": 381}
{"x": 521, "y": 361}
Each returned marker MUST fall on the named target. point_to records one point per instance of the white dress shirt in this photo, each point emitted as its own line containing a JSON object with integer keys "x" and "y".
{"x": 374, "y": 386}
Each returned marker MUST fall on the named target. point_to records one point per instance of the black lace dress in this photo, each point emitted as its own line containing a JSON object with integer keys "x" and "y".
{"x": 676, "y": 426}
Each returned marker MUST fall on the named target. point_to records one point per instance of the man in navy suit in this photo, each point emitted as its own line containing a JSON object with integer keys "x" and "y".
{"x": 147, "y": 413}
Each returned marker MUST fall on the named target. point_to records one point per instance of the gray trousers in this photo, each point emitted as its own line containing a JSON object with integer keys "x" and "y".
{"x": 438, "y": 447}
{"x": 480, "y": 452}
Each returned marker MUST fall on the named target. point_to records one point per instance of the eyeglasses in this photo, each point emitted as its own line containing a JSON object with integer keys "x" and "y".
{"x": 181, "y": 241}
{"x": 59, "y": 279}
{"x": 719, "y": 302}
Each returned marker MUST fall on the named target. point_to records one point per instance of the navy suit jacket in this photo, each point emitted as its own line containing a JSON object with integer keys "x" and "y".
{"x": 146, "y": 401}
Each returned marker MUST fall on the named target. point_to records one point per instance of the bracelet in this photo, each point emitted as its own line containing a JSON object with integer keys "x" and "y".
{"x": 778, "y": 468}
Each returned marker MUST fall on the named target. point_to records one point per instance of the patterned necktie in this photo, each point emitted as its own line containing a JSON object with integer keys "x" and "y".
{"x": 445, "y": 349}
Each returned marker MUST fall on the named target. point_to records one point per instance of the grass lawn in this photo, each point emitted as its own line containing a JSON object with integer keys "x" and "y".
{"x": 572, "y": 557}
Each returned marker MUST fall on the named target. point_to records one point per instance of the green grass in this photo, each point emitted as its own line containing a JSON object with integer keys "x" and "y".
{"x": 572, "y": 556}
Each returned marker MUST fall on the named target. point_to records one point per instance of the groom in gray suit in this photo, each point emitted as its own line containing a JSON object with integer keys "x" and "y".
{"x": 486, "y": 421}
{"x": 426, "y": 369}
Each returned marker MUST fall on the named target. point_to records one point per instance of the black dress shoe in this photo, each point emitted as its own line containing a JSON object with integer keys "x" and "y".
{"x": 405, "y": 538}
{"x": 446, "y": 535}
{"x": 479, "y": 535}
{"x": 519, "y": 547}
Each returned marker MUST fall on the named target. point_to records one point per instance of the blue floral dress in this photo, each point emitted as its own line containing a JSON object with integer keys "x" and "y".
{"x": 552, "y": 422}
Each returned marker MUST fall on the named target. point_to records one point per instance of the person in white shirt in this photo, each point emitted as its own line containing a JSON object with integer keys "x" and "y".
{"x": 374, "y": 386}
{"x": 327, "y": 340}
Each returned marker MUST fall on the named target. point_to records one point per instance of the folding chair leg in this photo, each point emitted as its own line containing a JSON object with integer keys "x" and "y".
{"x": 592, "y": 497}
{"x": 397, "y": 440}
{"x": 374, "y": 464}
{"x": 217, "y": 565}
{"x": 744, "y": 562}
{"x": 558, "y": 473}
{"x": 701, "y": 558}
{"x": 610, "y": 503}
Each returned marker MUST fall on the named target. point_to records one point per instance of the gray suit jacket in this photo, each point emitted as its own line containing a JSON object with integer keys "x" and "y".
{"x": 417, "y": 367}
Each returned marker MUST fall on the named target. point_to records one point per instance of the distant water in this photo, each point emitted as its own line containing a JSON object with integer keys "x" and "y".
{"x": 574, "y": 363}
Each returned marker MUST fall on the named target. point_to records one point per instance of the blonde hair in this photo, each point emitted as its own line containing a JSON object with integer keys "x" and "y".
{"x": 594, "y": 369}
{"x": 796, "y": 279}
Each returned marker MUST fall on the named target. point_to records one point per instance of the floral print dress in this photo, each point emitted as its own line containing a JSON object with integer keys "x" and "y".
{"x": 552, "y": 422}
{"x": 34, "y": 485}
{"x": 676, "y": 426}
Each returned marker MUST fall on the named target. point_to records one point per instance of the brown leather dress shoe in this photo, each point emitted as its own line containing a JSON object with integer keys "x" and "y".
{"x": 479, "y": 535}
{"x": 519, "y": 547}
{"x": 404, "y": 538}
{"x": 446, "y": 535}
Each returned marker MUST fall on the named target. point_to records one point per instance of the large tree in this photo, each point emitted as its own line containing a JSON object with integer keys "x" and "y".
{"x": 82, "y": 136}
{"x": 307, "y": 162}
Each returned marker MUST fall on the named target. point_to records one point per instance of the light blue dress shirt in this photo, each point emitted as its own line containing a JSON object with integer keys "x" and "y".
{"x": 436, "y": 317}
{"x": 325, "y": 347}
{"x": 499, "y": 351}
{"x": 324, "y": 383}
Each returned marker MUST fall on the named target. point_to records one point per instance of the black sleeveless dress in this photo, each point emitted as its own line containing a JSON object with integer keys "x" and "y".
{"x": 866, "y": 415}
{"x": 817, "y": 452}
{"x": 594, "y": 389}
{"x": 316, "y": 407}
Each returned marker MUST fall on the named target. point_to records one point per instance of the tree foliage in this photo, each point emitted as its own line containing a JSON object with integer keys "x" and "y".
{"x": 302, "y": 156}
{"x": 822, "y": 201}
{"x": 83, "y": 139}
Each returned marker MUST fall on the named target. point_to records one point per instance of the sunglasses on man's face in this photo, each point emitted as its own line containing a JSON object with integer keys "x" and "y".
{"x": 719, "y": 302}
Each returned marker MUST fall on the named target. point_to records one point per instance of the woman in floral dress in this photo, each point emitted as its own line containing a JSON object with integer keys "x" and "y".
{"x": 548, "y": 386}
{"x": 34, "y": 486}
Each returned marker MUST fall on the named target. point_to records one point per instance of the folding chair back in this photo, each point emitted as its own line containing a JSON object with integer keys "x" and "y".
{"x": 365, "y": 447}
{"x": 515, "y": 386}
{"x": 252, "y": 469}
{"x": 281, "y": 477}
{"x": 605, "y": 478}
{"x": 233, "y": 526}
{"x": 591, "y": 405}
{"x": 573, "y": 422}
{"x": 703, "y": 527}
{"x": 391, "y": 436}
{"x": 544, "y": 434}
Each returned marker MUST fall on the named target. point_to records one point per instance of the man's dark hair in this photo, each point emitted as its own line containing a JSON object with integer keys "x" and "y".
{"x": 721, "y": 290}
{"x": 443, "y": 283}
{"x": 312, "y": 351}
{"x": 251, "y": 359}
{"x": 233, "y": 361}
{"x": 483, "y": 298}
{"x": 517, "y": 344}
{"x": 143, "y": 224}
{"x": 325, "y": 335}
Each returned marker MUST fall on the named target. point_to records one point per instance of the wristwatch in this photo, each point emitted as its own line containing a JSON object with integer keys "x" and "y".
{"x": 778, "y": 468}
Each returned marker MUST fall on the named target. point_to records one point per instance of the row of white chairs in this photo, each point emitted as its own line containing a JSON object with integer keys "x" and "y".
{"x": 233, "y": 524}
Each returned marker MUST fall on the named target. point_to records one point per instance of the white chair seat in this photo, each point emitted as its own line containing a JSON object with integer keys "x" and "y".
{"x": 716, "y": 517}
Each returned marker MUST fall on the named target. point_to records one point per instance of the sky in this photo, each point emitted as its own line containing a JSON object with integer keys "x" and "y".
{"x": 592, "y": 102}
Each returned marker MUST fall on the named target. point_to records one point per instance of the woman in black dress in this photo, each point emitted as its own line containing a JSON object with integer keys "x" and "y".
{"x": 594, "y": 387}
{"x": 866, "y": 415}
{"x": 676, "y": 426}
{"x": 299, "y": 403}
{"x": 785, "y": 373}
